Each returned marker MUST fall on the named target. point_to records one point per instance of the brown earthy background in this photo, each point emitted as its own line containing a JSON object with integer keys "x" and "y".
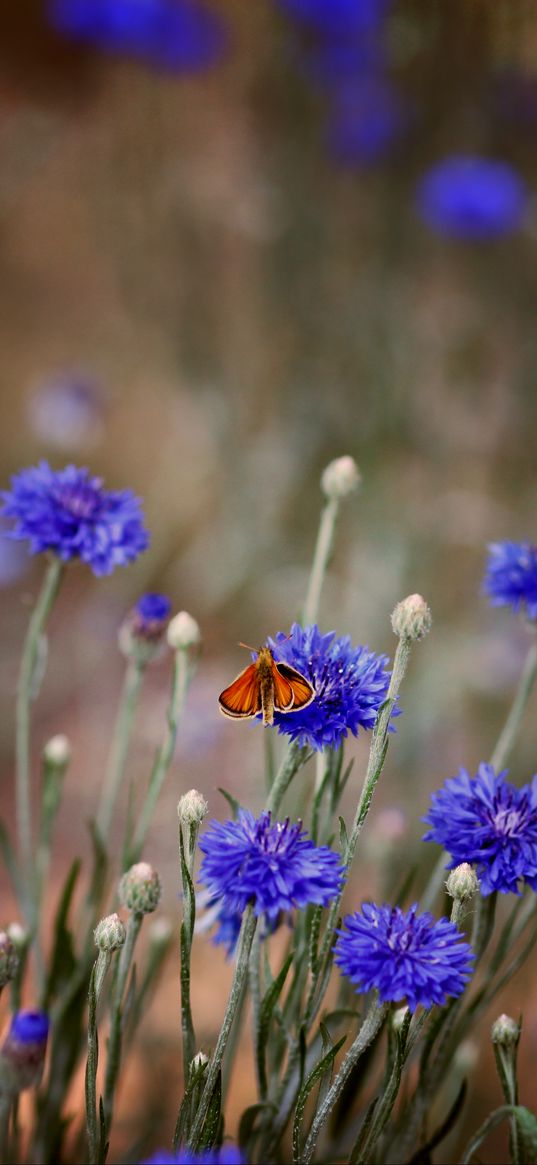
{"x": 244, "y": 309}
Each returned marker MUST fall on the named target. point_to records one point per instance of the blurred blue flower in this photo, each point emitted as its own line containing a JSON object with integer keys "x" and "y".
{"x": 470, "y": 197}
{"x": 350, "y": 685}
{"x": 366, "y": 118}
{"x": 29, "y": 1027}
{"x": 66, "y": 411}
{"x": 150, "y": 615}
{"x": 338, "y": 16}
{"x": 274, "y": 866}
{"x": 14, "y": 560}
{"x": 226, "y": 1155}
{"x": 22, "y": 1055}
{"x": 68, "y": 512}
{"x": 403, "y": 955}
{"x": 511, "y": 576}
{"x": 491, "y": 823}
{"x": 180, "y": 35}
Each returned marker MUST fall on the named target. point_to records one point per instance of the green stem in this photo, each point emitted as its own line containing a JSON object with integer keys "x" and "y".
{"x": 30, "y": 655}
{"x": 321, "y": 558}
{"x": 182, "y": 673}
{"x": 100, "y": 968}
{"x": 292, "y": 761}
{"x": 6, "y": 1102}
{"x": 375, "y": 764}
{"x": 369, "y": 1029}
{"x": 134, "y": 675}
{"x": 116, "y": 1019}
{"x": 510, "y": 729}
{"x": 187, "y": 851}
{"x": 244, "y": 946}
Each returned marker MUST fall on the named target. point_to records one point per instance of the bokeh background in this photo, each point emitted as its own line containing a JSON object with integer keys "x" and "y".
{"x": 216, "y": 278}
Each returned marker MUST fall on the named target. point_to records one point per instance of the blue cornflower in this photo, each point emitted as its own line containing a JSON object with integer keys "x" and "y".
{"x": 337, "y": 17}
{"x": 274, "y": 866}
{"x": 29, "y": 1027}
{"x": 403, "y": 955}
{"x": 227, "y": 1155}
{"x": 367, "y": 117}
{"x": 470, "y": 197}
{"x": 181, "y": 35}
{"x": 487, "y": 821}
{"x": 350, "y": 685}
{"x": 22, "y": 1055}
{"x": 68, "y": 512}
{"x": 150, "y": 615}
{"x": 511, "y": 576}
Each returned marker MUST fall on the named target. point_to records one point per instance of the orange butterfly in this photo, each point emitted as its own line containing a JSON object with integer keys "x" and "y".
{"x": 265, "y": 686}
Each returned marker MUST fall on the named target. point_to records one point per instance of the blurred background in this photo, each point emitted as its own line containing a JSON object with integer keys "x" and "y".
{"x": 238, "y": 240}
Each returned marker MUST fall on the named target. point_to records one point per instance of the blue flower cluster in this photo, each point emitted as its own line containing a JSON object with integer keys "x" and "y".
{"x": 350, "y": 685}
{"x": 511, "y": 576}
{"x": 275, "y": 866}
{"x": 179, "y": 35}
{"x": 68, "y": 513}
{"x": 487, "y": 821}
{"x": 469, "y": 197}
{"x": 404, "y": 955}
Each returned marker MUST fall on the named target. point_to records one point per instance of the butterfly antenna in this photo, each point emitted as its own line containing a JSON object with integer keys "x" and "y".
{"x": 247, "y": 646}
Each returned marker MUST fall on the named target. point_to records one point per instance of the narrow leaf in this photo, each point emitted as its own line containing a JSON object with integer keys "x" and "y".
{"x": 234, "y": 805}
{"x": 265, "y": 1015}
{"x": 316, "y": 1074}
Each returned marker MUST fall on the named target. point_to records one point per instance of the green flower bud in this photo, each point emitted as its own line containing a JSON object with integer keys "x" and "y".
{"x": 140, "y": 889}
{"x": 462, "y": 883}
{"x": 183, "y": 632}
{"x": 110, "y": 933}
{"x": 340, "y": 478}
{"x": 505, "y": 1031}
{"x": 412, "y": 618}
{"x": 192, "y": 808}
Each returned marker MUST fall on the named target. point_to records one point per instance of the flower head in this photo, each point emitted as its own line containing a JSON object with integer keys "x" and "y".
{"x": 350, "y": 685}
{"x": 404, "y": 955}
{"x": 469, "y": 197}
{"x": 22, "y": 1055}
{"x": 180, "y": 35}
{"x": 140, "y": 888}
{"x": 338, "y": 17}
{"x": 68, "y": 512}
{"x": 511, "y": 576}
{"x": 274, "y": 866}
{"x": 487, "y": 821}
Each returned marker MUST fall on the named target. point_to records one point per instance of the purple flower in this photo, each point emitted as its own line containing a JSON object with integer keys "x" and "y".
{"x": 68, "y": 512}
{"x": 350, "y": 685}
{"x": 470, "y": 197}
{"x": 274, "y": 866}
{"x": 489, "y": 822}
{"x": 403, "y": 955}
{"x": 22, "y": 1055}
{"x": 150, "y": 616}
{"x": 180, "y": 35}
{"x": 511, "y": 576}
{"x": 337, "y": 17}
{"x": 227, "y": 1155}
{"x": 367, "y": 117}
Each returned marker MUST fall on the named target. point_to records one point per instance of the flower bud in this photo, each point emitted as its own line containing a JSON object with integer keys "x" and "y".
{"x": 412, "y": 618}
{"x": 19, "y": 936}
{"x": 57, "y": 752}
{"x": 462, "y": 883}
{"x": 505, "y": 1031}
{"x": 199, "y": 1061}
{"x": 183, "y": 632}
{"x": 192, "y": 808}
{"x": 340, "y": 478}
{"x": 9, "y": 959}
{"x": 140, "y": 889}
{"x": 160, "y": 932}
{"x": 141, "y": 635}
{"x": 22, "y": 1055}
{"x": 110, "y": 933}
{"x": 399, "y": 1015}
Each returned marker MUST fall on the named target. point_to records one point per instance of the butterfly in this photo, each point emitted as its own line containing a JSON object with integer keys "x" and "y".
{"x": 265, "y": 686}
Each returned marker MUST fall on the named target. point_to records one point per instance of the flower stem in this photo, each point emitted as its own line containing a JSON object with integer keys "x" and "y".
{"x": 369, "y": 1029}
{"x": 321, "y": 558}
{"x": 292, "y": 761}
{"x": 182, "y": 674}
{"x": 114, "y": 1040}
{"x": 6, "y": 1102}
{"x": 134, "y": 674}
{"x": 510, "y": 729}
{"x": 244, "y": 946}
{"x": 100, "y": 968}
{"x": 30, "y": 656}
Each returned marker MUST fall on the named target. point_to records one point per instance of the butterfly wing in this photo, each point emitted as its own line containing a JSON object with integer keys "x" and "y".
{"x": 242, "y": 699}
{"x": 302, "y": 690}
{"x": 283, "y": 692}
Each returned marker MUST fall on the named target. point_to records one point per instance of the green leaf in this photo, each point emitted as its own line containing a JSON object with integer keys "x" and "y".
{"x": 63, "y": 961}
{"x": 234, "y": 805}
{"x": 527, "y": 1123}
{"x": 315, "y": 929}
{"x": 10, "y": 860}
{"x": 364, "y": 1132}
{"x": 100, "y": 865}
{"x": 247, "y": 1130}
{"x": 266, "y": 1009}
{"x": 213, "y": 1126}
{"x": 195, "y": 1079}
{"x": 340, "y": 783}
{"x": 324, "y": 1064}
{"x": 343, "y": 836}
